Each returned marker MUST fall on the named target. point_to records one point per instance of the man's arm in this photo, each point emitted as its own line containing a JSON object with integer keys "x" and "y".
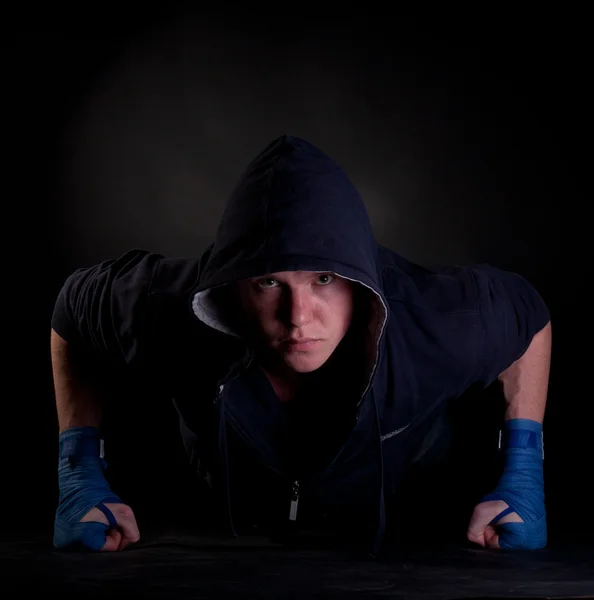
{"x": 516, "y": 351}
{"x": 96, "y": 327}
{"x": 525, "y": 386}
{"x": 78, "y": 402}
{"x": 525, "y": 382}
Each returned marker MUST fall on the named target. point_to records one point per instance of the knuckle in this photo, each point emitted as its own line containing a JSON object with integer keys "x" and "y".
{"x": 126, "y": 512}
{"x": 481, "y": 511}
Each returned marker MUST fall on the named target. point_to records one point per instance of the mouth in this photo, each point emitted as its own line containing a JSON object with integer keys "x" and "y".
{"x": 301, "y": 345}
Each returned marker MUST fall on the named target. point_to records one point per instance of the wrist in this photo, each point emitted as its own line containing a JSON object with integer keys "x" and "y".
{"x": 522, "y": 436}
{"x": 77, "y": 443}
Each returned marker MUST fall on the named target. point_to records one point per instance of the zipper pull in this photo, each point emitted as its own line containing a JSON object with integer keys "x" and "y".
{"x": 294, "y": 501}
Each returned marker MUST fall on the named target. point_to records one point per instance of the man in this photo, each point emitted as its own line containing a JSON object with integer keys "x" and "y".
{"x": 308, "y": 364}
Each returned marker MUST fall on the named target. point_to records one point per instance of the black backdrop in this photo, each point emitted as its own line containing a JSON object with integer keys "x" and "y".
{"x": 468, "y": 135}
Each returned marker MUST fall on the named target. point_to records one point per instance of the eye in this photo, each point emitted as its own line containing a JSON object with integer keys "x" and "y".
{"x": 326, "y": 276}
{"x": 266, "y": 280}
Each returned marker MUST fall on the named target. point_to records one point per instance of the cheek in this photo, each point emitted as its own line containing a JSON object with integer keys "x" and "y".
{"x": 340, "y": 311}
{"x": 346, "y": 317}
{"x": 263, "y": 315}
{"x": 251, "y": 313}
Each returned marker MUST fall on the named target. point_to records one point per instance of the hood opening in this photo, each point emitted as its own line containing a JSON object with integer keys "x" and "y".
{"x": 216, "y": 309}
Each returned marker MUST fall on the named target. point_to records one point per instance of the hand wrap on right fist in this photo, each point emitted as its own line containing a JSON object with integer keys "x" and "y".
{"x": 82, "y": 487}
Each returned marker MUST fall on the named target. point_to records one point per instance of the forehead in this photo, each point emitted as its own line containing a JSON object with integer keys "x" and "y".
{"x": 290, "y": 276}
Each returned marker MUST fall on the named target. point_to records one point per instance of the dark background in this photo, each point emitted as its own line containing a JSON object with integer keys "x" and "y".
{"x": 468, "y": 135}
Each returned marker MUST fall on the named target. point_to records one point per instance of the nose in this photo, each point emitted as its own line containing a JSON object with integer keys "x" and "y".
{"x": 300, "y": 307}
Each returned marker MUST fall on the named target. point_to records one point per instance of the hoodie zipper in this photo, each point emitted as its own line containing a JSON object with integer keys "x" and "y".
{"x": 295, "y": 493}
{"x": 294, "y": 501}
{"x": 295, "y": 485}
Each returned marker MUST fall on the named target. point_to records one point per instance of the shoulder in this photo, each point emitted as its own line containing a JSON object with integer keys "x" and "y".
{"x": 178, "y": 276}
{"x": 177, "y": 341}
{"x": 480, "y": 316}
{"x": 175, "y": 276}
{"x": 434, "y": 325}
{"x": 437, "y": 288}
{"x": 136, "y": 275}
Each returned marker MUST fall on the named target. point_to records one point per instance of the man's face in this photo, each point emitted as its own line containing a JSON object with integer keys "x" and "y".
{"x": 283, "y": 308}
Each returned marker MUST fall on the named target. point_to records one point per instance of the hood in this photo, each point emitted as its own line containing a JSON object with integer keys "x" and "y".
{"x": 294, "y": 209}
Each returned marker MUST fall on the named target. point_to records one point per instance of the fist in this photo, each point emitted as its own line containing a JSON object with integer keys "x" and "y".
{"x": 127, "y": 532}
{"x": 480, "y": 532}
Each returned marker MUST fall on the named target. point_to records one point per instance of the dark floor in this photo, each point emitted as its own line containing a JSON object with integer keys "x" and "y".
{"x": 175, "y": 565}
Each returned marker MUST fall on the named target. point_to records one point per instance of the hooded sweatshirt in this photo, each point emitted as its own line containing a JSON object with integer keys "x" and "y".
{"x": 420, "y": 338}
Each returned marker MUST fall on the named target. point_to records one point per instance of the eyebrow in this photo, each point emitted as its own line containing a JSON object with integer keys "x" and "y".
{"x": 309, "y": 274}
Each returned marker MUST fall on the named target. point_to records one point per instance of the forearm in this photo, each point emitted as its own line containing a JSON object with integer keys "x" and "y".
{"x": 526, "y": 381}
{"x": 78, "y": 400}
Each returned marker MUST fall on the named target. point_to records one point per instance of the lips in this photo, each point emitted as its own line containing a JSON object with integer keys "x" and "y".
{"x": 302, "y": 344}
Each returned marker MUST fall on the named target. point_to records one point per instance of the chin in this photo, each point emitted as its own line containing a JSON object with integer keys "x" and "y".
{"x": 304, "y": 363}
{"x": 303, "y": 368}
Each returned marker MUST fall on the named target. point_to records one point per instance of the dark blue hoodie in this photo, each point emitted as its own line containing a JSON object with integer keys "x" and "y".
{"x": 423, "y": 337}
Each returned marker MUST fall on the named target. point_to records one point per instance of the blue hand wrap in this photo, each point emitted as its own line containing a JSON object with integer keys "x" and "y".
{"x": 82, "y": 487}
{"x": 522, "y": 486}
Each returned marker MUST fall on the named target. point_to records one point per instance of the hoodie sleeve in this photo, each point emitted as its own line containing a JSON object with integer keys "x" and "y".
{"x": 101, "y": 309}
{"x": 512, "y": 312}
